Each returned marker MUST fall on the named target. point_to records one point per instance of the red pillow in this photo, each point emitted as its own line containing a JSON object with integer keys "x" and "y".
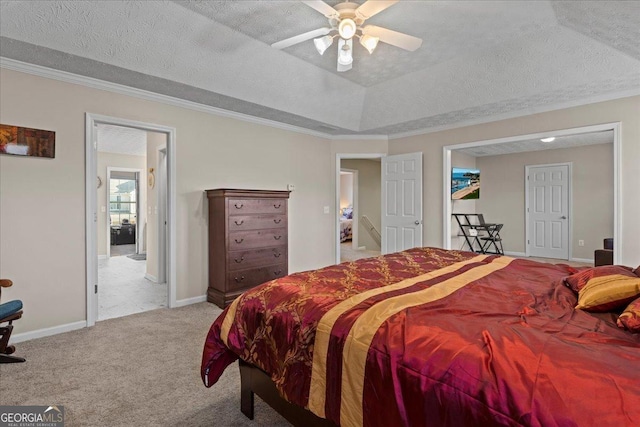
{"x": 578, "y": 280}
{"x": 630, "y": 317}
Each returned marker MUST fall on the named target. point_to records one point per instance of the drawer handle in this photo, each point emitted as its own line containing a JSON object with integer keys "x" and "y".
{"x": 240, "y": 279}
{"x": 277, "y": 255}
{"x": 239, "y": 241}
{"x": 277, "y": 272}
{"x": 238, "y": 205}
{"x": 277, "y": 237}
{"x": 239, "y": 260}
{"x": 239, "y": 223}
{"x": 277, "y": 206}
{"x": 277, "y": 221}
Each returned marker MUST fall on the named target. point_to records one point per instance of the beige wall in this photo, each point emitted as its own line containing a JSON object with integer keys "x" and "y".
{"x": 626, "y": 111}
{"x": 369, "y": 202}
{"x": 346, "y": 190}
{"x": 106, "y": 160}
{"x": 503, "y": 194}
{"x": 42, "y": 209}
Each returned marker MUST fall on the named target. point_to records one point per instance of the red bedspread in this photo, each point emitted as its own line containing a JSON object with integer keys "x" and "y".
{"x": 432, "y": 337}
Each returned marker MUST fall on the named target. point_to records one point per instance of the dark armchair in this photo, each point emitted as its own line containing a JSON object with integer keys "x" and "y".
{"x": 604, "y": 256}
{"x": 9, "y": 311}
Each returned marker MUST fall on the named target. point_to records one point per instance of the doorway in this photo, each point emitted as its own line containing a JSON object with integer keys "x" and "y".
{"x": 358, "y": 206}
{"x": 129, "y": 207}
{"x": 593, "y": 153}
{"x": 124, "y": 210}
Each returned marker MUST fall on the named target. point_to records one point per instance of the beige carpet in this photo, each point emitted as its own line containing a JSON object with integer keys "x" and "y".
{"x": 347, "y": 253}
{"x": 140, "y": 370}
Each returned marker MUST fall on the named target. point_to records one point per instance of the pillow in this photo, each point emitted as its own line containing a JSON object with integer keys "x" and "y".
{"x": 630, "y": 317}
{"x": 347, "y": 213}
{"x": 578, "y": 280}
{"x": 605, "y": 289}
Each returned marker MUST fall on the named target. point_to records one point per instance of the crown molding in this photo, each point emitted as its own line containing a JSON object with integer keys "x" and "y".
{"x": 64, "y": 76}
{"x": 521, "y": 113}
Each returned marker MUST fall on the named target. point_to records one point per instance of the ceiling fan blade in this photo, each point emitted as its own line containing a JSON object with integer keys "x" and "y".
{"x": 371, "y": 7}
{"x": 301, "y": 38}
{"x": 401, "y": 40}
{"x": 323, "y": 8}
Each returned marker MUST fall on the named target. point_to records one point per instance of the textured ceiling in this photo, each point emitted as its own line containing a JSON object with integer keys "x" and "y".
{"x": 567, "y": 141}
{"x": 122, "y": 140}
{"x": 479, "y": 60}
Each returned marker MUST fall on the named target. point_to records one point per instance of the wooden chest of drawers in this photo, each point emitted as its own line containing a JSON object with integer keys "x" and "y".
{"x": 247, "y": 241}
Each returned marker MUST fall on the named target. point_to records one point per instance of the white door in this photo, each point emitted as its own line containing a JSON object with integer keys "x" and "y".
{"x": 401, "y": 202}
{"x": 548, "y": 204}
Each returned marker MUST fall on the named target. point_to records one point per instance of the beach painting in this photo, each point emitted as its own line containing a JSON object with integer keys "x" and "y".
{"x": 20, "y": 141}
{"x": 465, "y": 183}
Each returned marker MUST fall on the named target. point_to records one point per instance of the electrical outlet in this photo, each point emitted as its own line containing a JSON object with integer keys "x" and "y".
{"x": 580, "y": 242}
{"x": 291, "y": 187}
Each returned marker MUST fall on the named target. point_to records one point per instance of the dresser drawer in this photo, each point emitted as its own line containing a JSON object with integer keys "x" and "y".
{"x": 256, "y": 222}
{"x": 254, "y": 206}
{"x": 245, "y": 279}
{"x": 241, "y": 240}
{"x": 241, "y": 260}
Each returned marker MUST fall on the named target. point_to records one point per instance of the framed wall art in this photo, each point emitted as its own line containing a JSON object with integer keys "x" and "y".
{"x": 20, "y": 141}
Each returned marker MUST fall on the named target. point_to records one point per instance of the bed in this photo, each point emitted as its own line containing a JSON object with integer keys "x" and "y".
{"x": 429, "y": 337}
{"x": 346, "y": 229}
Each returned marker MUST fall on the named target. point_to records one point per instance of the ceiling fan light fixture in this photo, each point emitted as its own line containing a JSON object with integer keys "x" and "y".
{"x": 347, "y": 28}
{"x": 345, "y": 56}
{"x": 369, "y": 42}
{"x": 323, "y": 43}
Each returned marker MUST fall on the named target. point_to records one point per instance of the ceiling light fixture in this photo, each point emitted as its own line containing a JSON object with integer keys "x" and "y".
{"x": 345, "y": 56}
{"x": 369, "y": 42}
{"x": 347, "y": 28}
{"x": 550, "y": 139}
{"x": 346, "y": 21}
{"x": 323, "y": 43}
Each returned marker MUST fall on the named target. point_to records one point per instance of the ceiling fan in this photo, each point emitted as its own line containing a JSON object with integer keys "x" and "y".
{"x": 346, "y": 22}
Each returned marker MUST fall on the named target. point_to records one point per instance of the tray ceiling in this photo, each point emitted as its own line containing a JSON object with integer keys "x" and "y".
{"x": 480, "y": 60}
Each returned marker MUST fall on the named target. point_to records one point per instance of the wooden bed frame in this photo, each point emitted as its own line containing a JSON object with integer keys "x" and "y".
{"x": 254, "y": 380}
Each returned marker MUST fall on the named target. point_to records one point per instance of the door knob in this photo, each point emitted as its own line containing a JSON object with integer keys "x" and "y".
{"x": 417, "y": 222}
{"x": 563, "y": 217}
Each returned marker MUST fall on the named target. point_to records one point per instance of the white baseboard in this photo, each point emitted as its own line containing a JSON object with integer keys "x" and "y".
{"x": 41, "y": 333}
{"x": 189, "y": 301}
{"x": 102, "y": 257}
{"x": 585, "y": 260}
{"x": 515, "y": 254}
{"x": 148, "y": 276}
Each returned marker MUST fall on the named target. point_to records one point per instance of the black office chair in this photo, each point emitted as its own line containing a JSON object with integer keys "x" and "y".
{"x": 9, "y": 311}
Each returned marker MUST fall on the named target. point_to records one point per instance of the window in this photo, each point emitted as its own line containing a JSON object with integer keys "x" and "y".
{"x": 122, "y": 201}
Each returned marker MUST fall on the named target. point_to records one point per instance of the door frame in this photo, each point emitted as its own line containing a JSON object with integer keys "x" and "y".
{"x": 336, "y": 177}
{"x": 614, "y": 126}
{"x": 527, "y": 227}
{"x": 91, "y": 214}
{"x": 140, "y": 217}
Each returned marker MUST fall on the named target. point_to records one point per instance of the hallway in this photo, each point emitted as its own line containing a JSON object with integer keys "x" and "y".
{"x": 123, "y": 290}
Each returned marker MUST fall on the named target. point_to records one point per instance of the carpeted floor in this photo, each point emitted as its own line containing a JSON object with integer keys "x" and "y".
{"x": 347, "y": 253}
{"x": 139, "y": 370}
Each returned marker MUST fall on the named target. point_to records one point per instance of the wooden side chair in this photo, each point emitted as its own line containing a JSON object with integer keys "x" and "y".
{"x": 9, "y": 311}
